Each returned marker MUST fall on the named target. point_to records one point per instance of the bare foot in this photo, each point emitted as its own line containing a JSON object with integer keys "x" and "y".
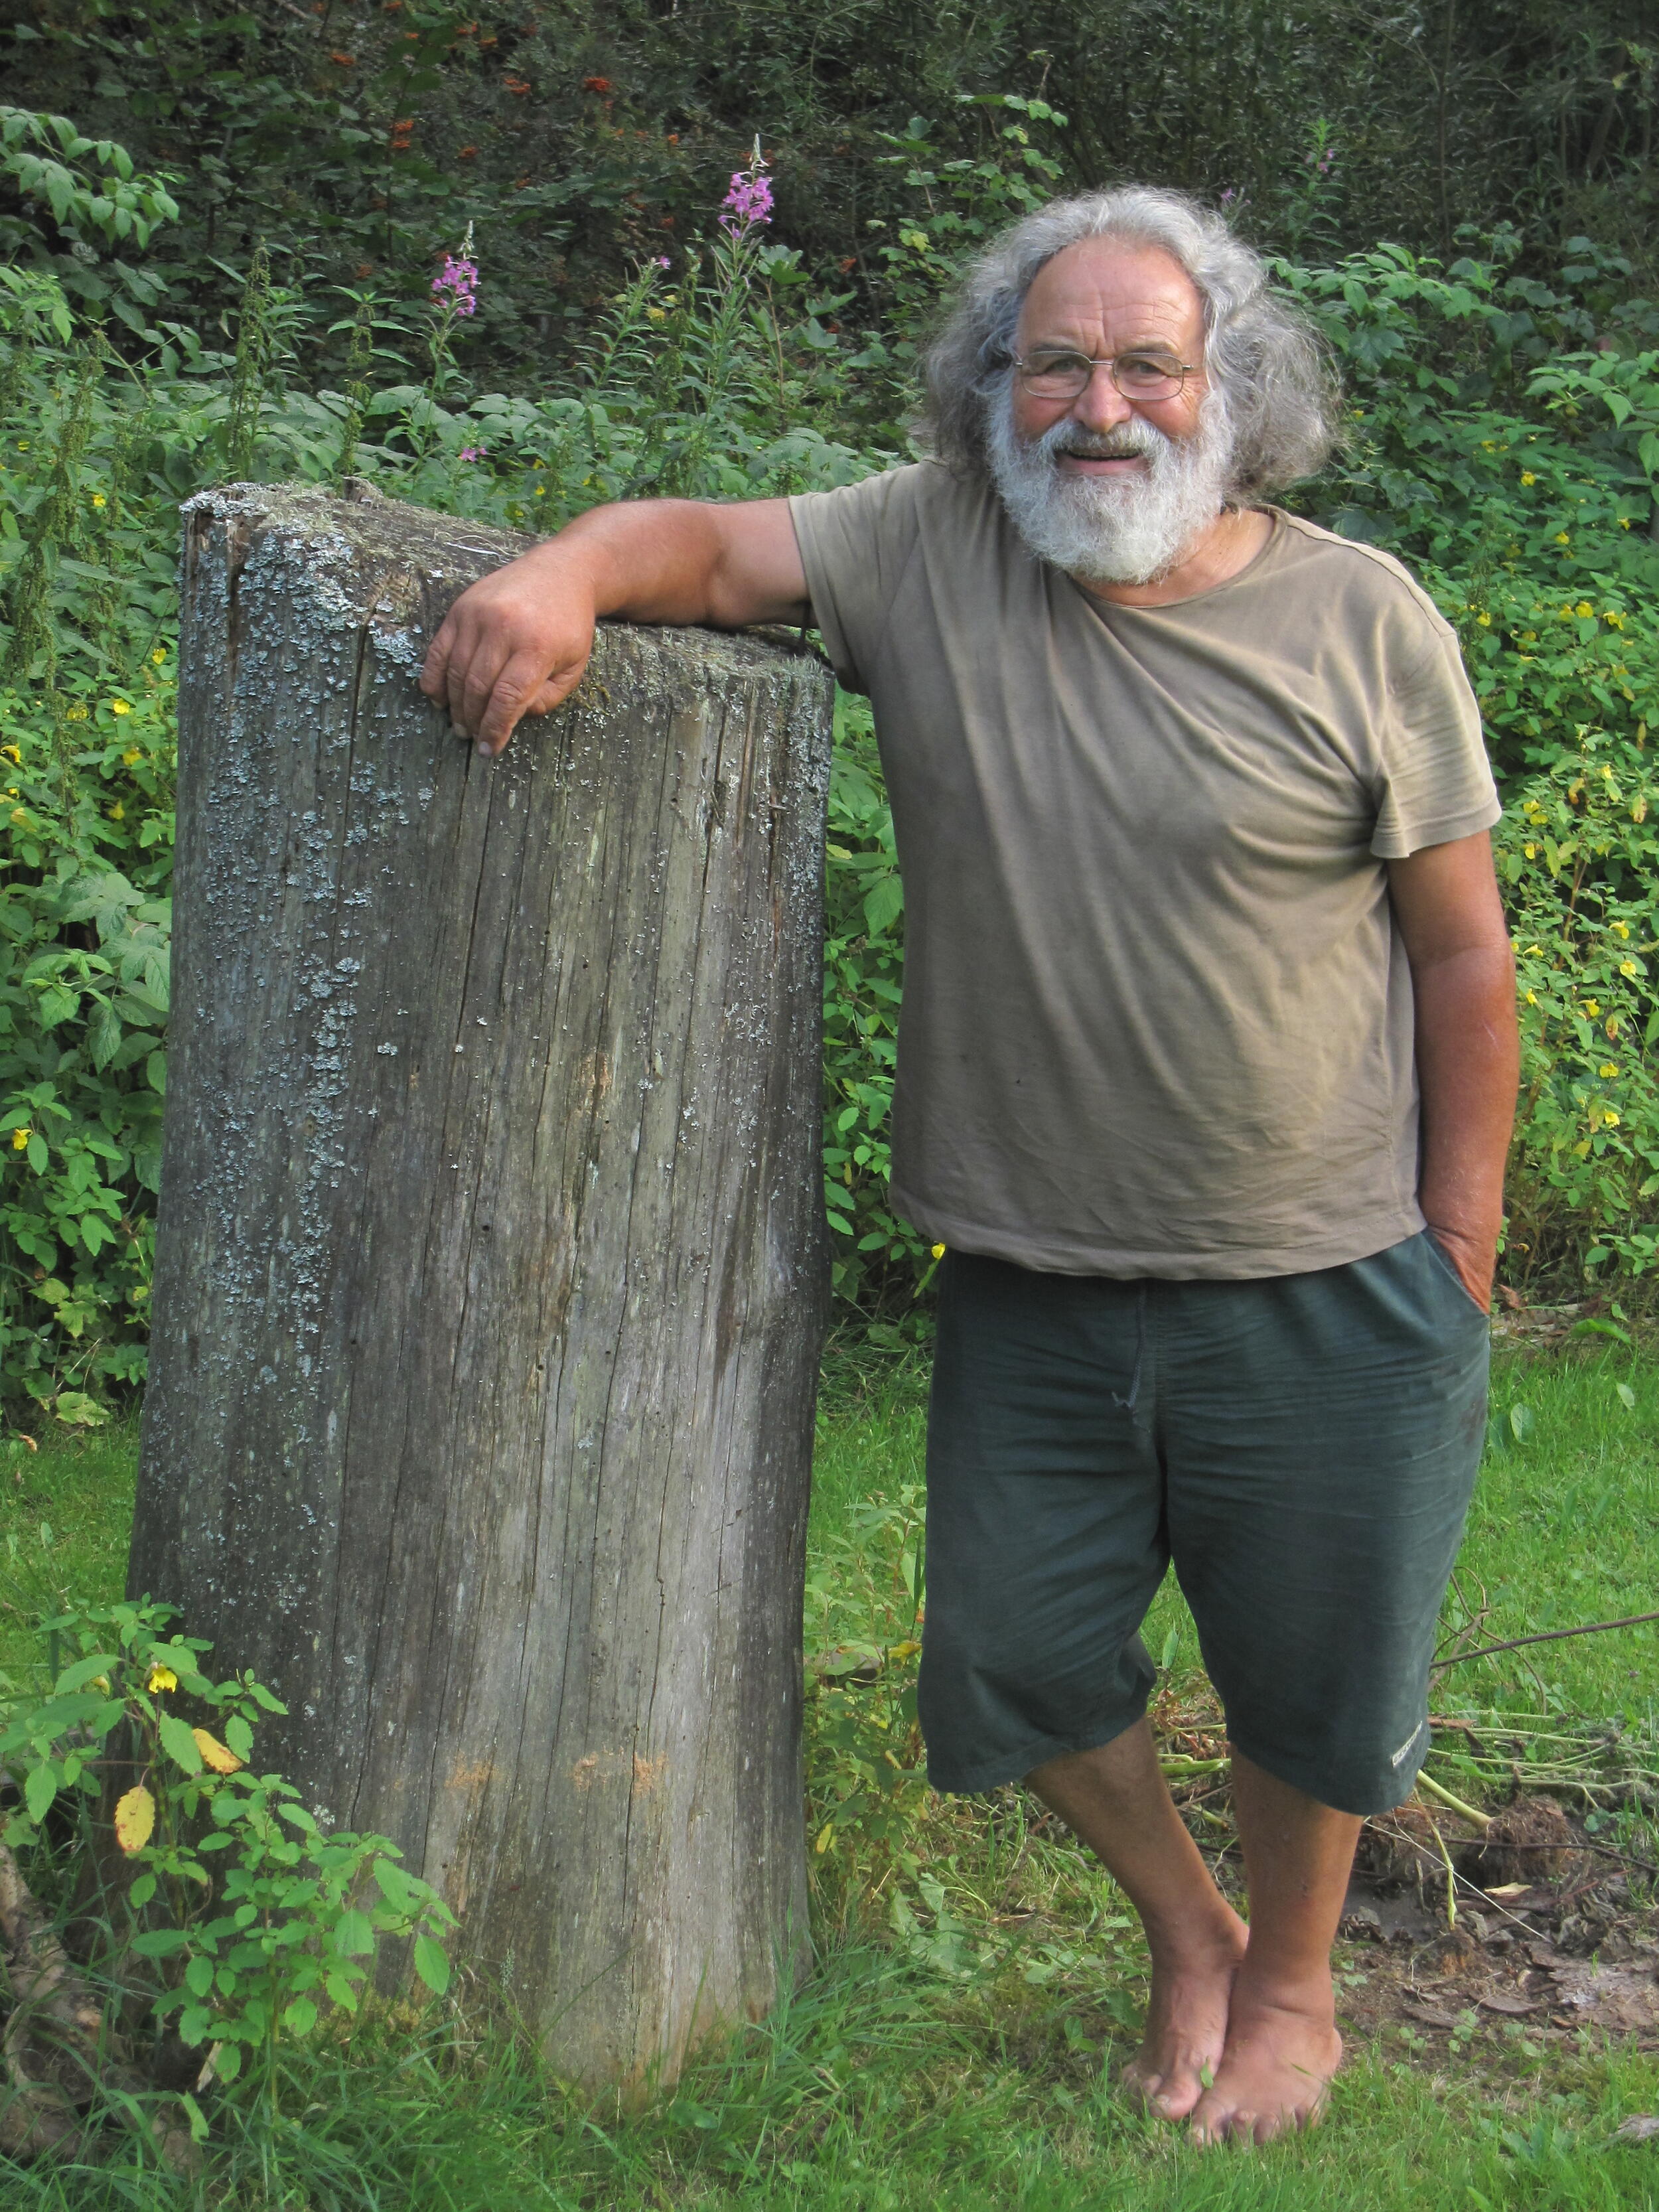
{"x": 1186, "y": 2020}
{"x": 1276, "y": 2068}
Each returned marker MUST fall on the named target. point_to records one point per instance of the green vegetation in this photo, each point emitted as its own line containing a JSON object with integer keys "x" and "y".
{"x": 1505, "y": 437}
{"x": 978, "y": 1976}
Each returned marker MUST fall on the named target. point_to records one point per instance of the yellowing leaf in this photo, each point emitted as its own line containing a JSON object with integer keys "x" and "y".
{"x": 135, "y": 1817}
{"x": 215, "y": 1754}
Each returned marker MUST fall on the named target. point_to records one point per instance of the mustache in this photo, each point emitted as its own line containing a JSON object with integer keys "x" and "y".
{"x": 1127, "y": 441}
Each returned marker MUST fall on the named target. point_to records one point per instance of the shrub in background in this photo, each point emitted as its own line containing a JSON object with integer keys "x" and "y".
{"x": 1504, "y": 436}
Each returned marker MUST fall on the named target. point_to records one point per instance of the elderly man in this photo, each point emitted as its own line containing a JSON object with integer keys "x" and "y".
{"x": 1207, "y": 1068}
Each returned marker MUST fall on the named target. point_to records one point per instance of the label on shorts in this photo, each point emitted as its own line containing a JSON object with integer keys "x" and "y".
{"x": 1407, "y": 1747}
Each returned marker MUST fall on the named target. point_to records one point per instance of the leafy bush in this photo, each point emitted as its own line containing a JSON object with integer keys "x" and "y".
{"x": 1504, "y": 431}
{"x": 256, "y": 1916}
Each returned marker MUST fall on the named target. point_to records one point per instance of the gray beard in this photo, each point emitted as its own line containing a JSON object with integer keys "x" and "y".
{"x": 1129, "y": 531}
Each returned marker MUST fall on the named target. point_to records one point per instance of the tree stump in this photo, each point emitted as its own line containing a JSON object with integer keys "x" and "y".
{"x": 492, "y": 1276}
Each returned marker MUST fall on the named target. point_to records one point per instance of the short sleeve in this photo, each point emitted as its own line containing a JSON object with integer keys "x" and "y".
{"x": 855, "y": 545}
{"x": 1436, "y": 782}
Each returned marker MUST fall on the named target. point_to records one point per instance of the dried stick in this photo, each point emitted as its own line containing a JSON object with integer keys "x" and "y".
{"x": 1548, "y": 1635}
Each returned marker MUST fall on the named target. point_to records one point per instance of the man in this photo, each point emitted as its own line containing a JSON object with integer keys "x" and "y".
{"x": 1207, "y": 1070}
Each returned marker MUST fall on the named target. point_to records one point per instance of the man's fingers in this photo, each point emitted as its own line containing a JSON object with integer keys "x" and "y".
{"x": 470, "y": 698}
{"x": 434, "y": 667}
{"x": 514, "y": 694}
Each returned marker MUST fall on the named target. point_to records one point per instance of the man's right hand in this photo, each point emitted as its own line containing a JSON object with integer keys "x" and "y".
{"x": 517, "y": 641}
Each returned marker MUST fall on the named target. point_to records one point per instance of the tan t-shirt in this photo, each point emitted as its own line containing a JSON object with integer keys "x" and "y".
{"x": 1158, "y": 1017}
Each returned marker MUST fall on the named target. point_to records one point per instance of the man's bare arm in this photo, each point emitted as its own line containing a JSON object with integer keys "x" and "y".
{"x": 517, "y": 641}
{"x": 1445, "y": 898}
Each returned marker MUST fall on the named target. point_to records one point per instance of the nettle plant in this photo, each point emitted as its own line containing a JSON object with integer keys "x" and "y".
{"x": 253, "y": 1915}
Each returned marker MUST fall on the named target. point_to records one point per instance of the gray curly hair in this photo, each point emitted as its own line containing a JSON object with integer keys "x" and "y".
{"x": 1261, "y": 353}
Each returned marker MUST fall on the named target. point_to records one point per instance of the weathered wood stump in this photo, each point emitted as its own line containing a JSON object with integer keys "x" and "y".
{"x": 492, "y": 1282}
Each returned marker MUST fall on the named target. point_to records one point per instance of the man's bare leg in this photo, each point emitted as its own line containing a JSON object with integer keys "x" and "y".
{"x": 1282, "y": 2046}
{"x": 1116, "y": 1799}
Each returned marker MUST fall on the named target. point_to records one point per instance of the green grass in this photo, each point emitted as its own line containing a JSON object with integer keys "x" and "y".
{"x": 977, "y": 1984}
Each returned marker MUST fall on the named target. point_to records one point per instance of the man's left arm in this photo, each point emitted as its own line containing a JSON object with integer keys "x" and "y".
{"x": 1446, "y": 901}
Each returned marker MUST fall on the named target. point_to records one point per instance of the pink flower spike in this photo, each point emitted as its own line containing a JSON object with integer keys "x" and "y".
{"x": 749, "y": 203}
{"x": 662, "y": 261}
{"x": 473, "y": 453}
{"x": 457, "y": 284}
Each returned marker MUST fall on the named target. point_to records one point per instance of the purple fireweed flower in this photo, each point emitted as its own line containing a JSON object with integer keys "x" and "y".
{"x": 473, "y": 453}
{"x": 749, "y": 203}
{"x": 456, "y": 285}
{"x": 661, "y": 261}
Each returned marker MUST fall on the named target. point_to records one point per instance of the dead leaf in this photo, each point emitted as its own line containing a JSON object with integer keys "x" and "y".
{"x": 1513, "y": 2008}
{"x": 1509, "y": 1889}
{"x": 134, "y": 1818}
{"x": 219, "y": 1756}
{"x": 1428, "y": 2015}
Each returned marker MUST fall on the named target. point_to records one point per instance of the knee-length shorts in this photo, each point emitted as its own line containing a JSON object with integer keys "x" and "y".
{"x": 1302, "y": 1448}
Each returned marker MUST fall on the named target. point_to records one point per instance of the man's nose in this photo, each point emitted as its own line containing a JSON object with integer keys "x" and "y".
{"x": 1100, "y": 405}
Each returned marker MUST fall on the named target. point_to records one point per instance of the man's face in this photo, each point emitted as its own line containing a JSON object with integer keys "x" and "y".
{"x": 1113, "y": 489}
{"x": 1103, "y": 298}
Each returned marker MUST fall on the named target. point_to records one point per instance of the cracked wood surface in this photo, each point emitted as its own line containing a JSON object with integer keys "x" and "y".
{"x": 492, "y": 1275}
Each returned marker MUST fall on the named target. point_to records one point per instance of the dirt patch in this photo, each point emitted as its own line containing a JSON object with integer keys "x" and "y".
{"x": 1545, "y": 1958}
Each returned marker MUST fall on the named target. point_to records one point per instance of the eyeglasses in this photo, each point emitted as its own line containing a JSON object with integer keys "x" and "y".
{"x": 1068, "y": 375}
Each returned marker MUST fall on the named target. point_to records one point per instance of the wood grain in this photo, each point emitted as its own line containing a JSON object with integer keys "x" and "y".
{"x": 492, "y": 1275}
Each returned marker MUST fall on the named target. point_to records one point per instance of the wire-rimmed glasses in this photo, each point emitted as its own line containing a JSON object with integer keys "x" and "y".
{"x": 1056, "y": 373}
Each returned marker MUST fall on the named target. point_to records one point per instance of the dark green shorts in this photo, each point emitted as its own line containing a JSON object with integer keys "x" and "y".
{"x": 1303, "y": 1448}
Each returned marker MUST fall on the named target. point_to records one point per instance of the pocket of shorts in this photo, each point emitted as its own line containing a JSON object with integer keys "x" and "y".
{"x": 1442, "y": 1261}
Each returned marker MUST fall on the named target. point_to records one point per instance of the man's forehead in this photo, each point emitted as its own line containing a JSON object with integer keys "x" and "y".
{"x": 1139, "y": 290}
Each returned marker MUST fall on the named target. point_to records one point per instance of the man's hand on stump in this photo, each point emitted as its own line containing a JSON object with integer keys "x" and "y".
{"x": 516, "y": 643}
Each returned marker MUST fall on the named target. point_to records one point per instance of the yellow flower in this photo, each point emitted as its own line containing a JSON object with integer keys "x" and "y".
{"x": 1532, "y": 998}
{"x": 98, "y": 499}
{"x": 541, "y": 491}
{"x": 1620, "y": 928}
{"x": 161, "y": 1677}
{"x": 120, "y": 706}
{"x": 1591, "y": 1007}
{"x": 1562, "y": 538}
{"x": 20, "y": 1139}
{"x": 939, "y": 1251}
{"x": 1614, "y": 619}
{"x": 1583, "y": 607}
{"x": 12, "y": 752}
{"x": 1624, "y": 522}
{"x": 1485, "y": 621}
{"x": 159, "y": 655}
{"x": 76, "y": 715}
{"x": 118, "y": 812}
{"x": 1608, "y": 1067}
{"x": 1531, "y": 851}
{"x": 132, "y": 754}
{"x": 1527, "y": 477}
{"x": 1627, "y": 967}
{"x": 1609, "y": 1117}
{"x": 19, "y": 817}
